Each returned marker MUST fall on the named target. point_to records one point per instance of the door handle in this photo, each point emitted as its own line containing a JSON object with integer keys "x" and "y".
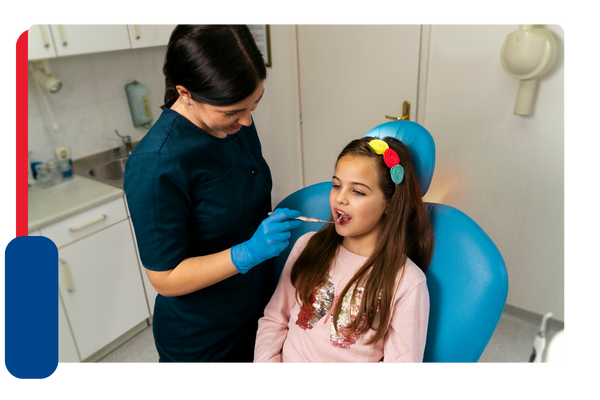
{"x": 405, "y": 112}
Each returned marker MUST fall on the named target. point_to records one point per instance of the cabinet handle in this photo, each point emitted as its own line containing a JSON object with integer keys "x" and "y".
{"x": 63, "y": 264}
{"x": 100, "y": 218}
{"x": 137, "y": 32}
{"x": 45, "y": 36}
{"x": 63, "y": 35}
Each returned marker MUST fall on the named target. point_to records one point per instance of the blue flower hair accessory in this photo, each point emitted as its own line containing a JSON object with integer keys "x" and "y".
{"x": 391, "y": 159}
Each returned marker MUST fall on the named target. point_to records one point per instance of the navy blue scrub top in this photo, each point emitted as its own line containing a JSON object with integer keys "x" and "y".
{"x": 192, "y": 194}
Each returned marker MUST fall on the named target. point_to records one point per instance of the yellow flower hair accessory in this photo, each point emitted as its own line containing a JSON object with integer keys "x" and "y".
{"x": 391, "y": 159}
{"x": 379, "y": 146}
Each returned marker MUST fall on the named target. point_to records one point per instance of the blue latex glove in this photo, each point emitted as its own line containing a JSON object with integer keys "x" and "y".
{"x": 270, "y": 239}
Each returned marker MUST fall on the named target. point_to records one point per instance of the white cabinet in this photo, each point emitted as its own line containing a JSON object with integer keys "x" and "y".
{"x": 82, "y": 39}
{"x": 149, "y": 35}
{"x": 85, "y": 223}
{"x": 101, "y": 287}
{"x": 50, "y": 41}
{"x": 67, "y": 352}
{"x": 40, "y": 43}
{"x": 99, "y": 278}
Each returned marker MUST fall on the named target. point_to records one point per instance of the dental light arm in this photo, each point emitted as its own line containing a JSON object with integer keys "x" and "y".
{"x": 527, "y": 54}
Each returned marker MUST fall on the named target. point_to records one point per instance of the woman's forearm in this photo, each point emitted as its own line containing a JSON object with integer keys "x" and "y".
{"x": 193, "y": 274}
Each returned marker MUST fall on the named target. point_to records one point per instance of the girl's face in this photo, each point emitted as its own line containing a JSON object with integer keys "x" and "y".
{"x": 221, "y": 121}
{"x": 358, "y": 198}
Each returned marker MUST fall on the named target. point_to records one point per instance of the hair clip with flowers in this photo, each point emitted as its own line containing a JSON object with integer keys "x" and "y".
{"x": 391, "y": 159}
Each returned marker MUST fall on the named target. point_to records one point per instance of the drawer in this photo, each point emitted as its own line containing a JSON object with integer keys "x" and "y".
{"x": 85, "y": 223}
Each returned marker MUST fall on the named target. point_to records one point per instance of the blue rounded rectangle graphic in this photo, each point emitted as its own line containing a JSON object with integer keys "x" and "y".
{"x": 31, "y": 307}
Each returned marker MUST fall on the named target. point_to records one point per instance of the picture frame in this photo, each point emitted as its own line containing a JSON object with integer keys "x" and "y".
{"x": 262, "y": 36}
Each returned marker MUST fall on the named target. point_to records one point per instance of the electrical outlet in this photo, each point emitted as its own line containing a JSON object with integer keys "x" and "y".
{"x": 62, "y": 152}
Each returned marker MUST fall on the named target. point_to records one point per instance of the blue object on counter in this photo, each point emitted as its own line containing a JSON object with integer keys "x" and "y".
{"x": 33, "y": 171}
{"x": 65, "y": 166}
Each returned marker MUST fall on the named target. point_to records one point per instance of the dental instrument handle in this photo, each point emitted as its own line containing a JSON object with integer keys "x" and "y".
{"x": 316, "y": 220}
{"x": 309, "y": 219}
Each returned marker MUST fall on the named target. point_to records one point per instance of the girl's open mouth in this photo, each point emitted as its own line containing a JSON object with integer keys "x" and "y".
{"x": 341, "y": 217}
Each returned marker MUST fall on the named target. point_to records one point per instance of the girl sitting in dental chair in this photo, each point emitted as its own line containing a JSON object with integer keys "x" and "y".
{"x": 355, "y": 291}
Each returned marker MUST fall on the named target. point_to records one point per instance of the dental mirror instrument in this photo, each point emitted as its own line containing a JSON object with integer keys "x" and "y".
{"x": 308, "y": 219}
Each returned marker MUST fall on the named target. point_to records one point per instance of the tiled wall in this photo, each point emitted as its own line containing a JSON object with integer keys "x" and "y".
{"x": 92, "y": 102}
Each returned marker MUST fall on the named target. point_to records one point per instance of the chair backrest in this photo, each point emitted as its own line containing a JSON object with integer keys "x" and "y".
{"x": 467, "y": 278}
{"x": 419, "y": 142}
{"x": 468, "y": 285}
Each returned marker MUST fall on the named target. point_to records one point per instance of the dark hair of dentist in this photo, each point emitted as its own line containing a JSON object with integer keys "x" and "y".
{"x": 199, "y": 192}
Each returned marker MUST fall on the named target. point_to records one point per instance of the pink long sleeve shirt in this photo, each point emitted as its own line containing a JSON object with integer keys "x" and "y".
{"x": 289, "y": 332}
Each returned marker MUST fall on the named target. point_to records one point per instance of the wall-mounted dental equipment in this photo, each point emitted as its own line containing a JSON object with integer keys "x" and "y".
{"x": 42, "y": 75}
{"x": 527, "y": 54}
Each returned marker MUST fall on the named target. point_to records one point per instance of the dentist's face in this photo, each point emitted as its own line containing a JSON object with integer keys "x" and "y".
{"x": 221, "y": 121}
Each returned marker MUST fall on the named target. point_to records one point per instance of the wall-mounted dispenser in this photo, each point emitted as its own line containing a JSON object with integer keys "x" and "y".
{"x": 527, "y": 54}
{"x": 139, "y": 105}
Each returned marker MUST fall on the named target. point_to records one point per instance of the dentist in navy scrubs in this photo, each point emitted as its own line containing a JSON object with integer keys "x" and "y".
{"x": 199, "y": 192}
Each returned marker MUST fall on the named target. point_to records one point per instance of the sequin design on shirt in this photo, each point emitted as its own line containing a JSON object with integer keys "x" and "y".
{"x": 344, "y": 338}
{"x": 322, "y": 302}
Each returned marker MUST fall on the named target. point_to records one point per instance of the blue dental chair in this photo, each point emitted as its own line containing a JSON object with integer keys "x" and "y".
{"x": 467, "y": 278}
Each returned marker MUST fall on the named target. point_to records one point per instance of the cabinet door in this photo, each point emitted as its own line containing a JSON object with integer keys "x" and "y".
{"x": 149, "y": 35}
{"x": 81, "y": 39}
{"x": 39, "y": 43}
{"x": 100, "y": 285}
{"x": 67, "y": 351}
{"x": 351, "y": 77}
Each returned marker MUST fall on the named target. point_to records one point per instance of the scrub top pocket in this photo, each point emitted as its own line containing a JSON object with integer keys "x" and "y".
{"x": 227, "y": 209}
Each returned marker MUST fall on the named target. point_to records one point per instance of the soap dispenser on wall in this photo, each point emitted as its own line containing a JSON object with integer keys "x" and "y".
{"x": 527, "y": 54}
{"x": 139, "y": 105}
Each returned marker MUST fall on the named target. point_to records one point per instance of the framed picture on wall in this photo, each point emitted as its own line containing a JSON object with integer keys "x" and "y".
{"x": 262, "y": 37}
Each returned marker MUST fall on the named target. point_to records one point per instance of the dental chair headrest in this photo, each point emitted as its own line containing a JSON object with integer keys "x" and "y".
{"x": 419, "y": 142}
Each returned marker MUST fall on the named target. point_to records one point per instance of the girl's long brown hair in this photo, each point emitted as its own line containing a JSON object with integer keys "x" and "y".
{"x": 406, "y": 233}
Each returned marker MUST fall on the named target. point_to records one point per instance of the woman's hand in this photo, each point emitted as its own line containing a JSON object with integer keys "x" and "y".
{"x": 269, "y": 240}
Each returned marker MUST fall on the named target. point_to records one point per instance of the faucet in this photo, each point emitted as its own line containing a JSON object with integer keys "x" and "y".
{"x": 126, "y": 142}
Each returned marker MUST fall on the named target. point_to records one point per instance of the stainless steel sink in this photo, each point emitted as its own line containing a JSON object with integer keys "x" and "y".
{"x": 111, "y": 171}
{"x": 107, "y": 167}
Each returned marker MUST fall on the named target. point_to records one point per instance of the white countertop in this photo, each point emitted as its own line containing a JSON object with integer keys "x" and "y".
{"x": 53, "y": 204}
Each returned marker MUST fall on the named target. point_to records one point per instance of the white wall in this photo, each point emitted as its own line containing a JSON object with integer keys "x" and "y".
{"x": 503, "y": 170}
{"x": 277, "y": 116}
